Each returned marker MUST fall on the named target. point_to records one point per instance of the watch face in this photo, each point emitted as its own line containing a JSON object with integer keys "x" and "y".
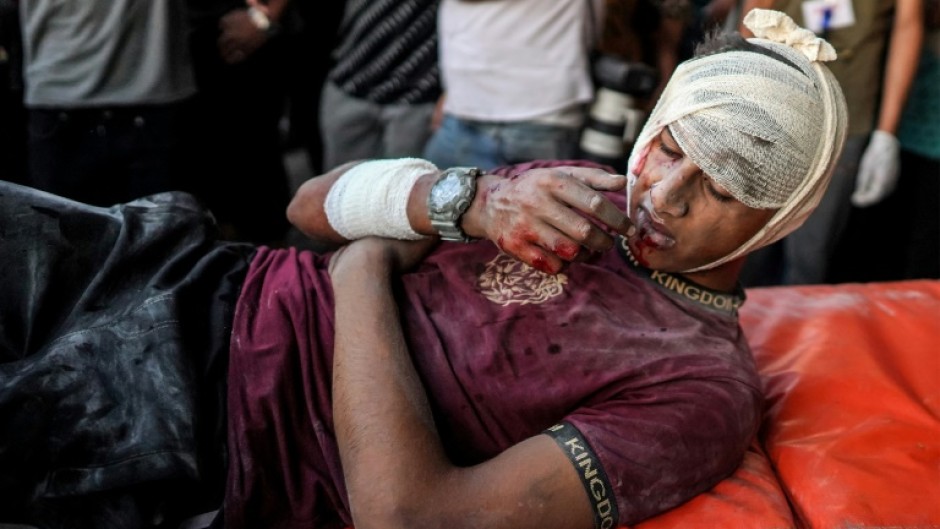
{"x": 446, "y": 190}
{"x": 449, "y": 198}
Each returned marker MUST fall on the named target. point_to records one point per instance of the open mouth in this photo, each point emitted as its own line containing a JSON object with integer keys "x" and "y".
{"x": 650, "y": 232}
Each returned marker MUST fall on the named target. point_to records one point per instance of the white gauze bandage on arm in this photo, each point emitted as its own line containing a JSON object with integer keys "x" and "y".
{"x": 371, "y": 199}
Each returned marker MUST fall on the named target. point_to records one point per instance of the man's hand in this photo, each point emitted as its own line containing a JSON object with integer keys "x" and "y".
{"x": 878, "y": 170}
{"x": 545, "y": 217}
{"x": 437, "y": 118}
{"x": 239, "y": 37}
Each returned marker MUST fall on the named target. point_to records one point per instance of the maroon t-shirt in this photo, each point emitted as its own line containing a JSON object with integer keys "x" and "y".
{"x": 644, "y": 379}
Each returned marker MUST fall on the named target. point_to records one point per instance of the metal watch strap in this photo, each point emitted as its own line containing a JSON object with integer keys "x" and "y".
{"x": 445, "y": 216}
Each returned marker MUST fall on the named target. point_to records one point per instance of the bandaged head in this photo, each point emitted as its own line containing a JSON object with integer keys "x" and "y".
{"x": 766, "y": 123}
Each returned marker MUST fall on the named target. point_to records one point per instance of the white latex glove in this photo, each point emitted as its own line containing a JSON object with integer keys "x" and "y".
{"x": 878, "y": 170}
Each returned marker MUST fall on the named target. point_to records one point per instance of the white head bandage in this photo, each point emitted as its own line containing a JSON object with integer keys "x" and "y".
{"x": 371, "y": 199}
{"x": 768, "y": 127}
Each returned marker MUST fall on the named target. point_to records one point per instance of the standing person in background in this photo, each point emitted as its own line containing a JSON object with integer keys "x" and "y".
{"x": 517, "y": 78}
{"x": 241, "y": 61}
{"x": 632, "y": 30}
{"x": 106, "y": 90}
{"x": 878, "y": 42}
{"x": 311, "y": 62}
{"x": 693, "y": 19}
{"x": 920, "y": 157}
{"x": 380, "y": 94}
{"x": 910, "y": 217}
{"x": 13, "y": 124}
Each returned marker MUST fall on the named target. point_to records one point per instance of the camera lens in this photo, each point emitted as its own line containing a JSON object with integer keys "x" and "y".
{"x": 614, "y": 119}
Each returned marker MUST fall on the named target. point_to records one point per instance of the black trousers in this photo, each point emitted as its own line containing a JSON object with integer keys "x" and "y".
{"x": 109, "y": 155}
{"x": 114, "y": 329}
{"x": 238, "y": 166}
{"x": 898, "y": 238}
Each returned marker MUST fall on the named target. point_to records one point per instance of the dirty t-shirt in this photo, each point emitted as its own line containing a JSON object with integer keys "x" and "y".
{"x": 644, "y": 379}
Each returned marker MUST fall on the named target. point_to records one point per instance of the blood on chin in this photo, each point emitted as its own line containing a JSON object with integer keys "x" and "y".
{"x": 650, "y": 247}
{"x": 642, "y": 247}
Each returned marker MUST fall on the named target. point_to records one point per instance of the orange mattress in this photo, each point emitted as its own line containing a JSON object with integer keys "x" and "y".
{"x": 851, "y": 434}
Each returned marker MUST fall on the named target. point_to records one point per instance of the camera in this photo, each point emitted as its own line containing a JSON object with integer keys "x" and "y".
{"x": 615, "y": 118}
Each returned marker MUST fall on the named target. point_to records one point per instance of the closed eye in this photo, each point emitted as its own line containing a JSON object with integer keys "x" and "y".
{"x": 674, "y": 154}
{"x": 713, "y": 191}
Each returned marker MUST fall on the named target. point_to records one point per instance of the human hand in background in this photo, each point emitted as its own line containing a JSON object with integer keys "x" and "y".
{"x": 438, "y": 116}
{"x": 878, "y": 170}
{"x": 239, "y": 36}
{"x": 547, "y": 216}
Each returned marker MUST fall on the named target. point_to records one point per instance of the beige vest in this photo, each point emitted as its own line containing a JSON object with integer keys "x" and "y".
{"x": 861, "y": 50}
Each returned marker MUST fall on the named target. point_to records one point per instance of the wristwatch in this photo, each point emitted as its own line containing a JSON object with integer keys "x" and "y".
{"x": 449, "y": 199}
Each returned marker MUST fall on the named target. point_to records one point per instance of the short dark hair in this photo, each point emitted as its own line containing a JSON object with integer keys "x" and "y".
{"x": 717, "y": 41}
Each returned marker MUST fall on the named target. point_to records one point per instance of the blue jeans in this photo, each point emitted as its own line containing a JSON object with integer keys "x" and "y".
{"x": 460, "y": 142}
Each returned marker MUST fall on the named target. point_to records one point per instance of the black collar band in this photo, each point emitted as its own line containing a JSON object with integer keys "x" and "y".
{"x": 682, "y": 288}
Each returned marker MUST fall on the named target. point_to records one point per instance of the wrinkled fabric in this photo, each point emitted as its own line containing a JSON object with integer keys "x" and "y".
{"x": 852, "y": 378}
{"x": 114, "y": 327}
{"x": 851, "y": 433}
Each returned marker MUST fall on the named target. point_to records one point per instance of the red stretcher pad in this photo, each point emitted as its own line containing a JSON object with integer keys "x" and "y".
{"x": 851, "y": 434}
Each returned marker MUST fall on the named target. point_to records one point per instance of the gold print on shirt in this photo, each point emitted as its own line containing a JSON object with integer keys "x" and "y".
{"x": 507, "y": 281}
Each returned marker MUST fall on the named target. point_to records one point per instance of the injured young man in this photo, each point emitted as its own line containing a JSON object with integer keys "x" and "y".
{"x": 568, "y": 357}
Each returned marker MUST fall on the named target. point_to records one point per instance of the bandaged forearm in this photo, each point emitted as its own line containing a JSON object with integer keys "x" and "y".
{"x": 371, "y": 199}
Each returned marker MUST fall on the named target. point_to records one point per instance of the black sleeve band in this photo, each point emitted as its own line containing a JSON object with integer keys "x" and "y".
{"x": 593, "y": 477}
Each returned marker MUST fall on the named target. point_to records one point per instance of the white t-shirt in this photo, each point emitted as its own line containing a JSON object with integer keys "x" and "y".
{"x": 514, "y": 60}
